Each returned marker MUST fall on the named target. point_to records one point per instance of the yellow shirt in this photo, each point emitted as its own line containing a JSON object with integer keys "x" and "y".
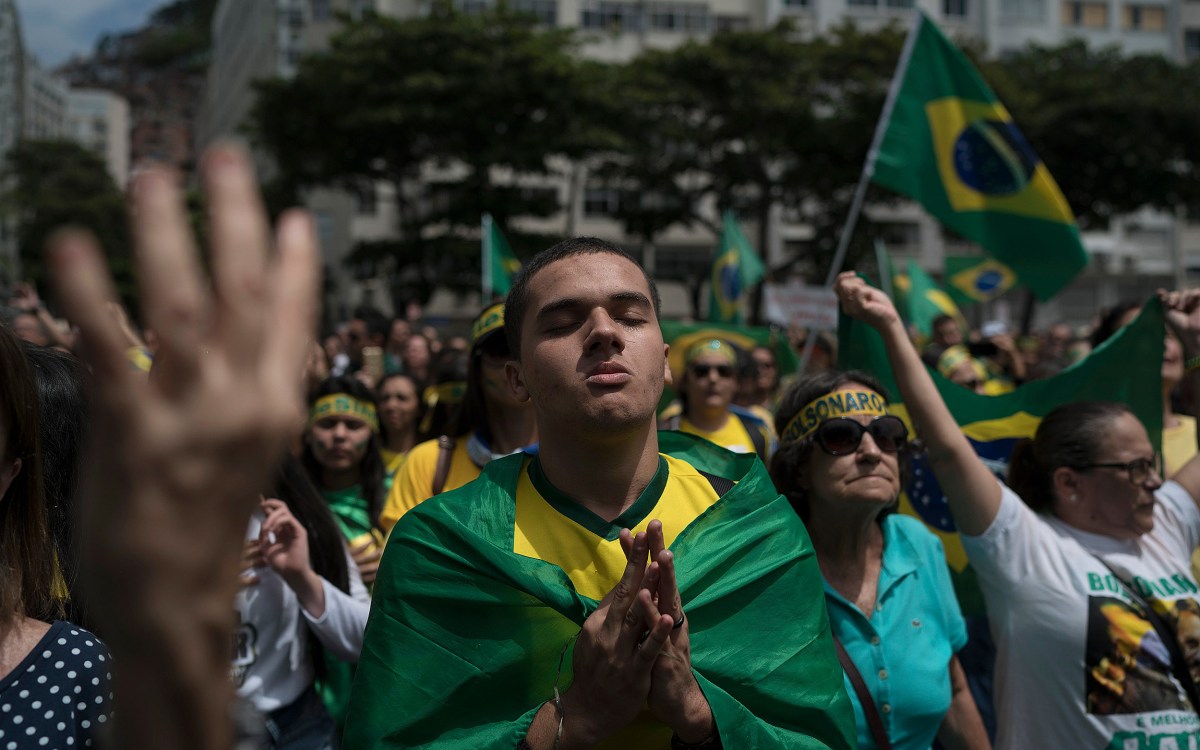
{"x": 413, "y": 483}
{"x": 550, "y": 526}
{"x": 732, "y": 436}
{"x": 1179, "y": 444}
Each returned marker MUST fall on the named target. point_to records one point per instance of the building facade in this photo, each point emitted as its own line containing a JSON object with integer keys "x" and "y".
{"x": 99, "y": 120}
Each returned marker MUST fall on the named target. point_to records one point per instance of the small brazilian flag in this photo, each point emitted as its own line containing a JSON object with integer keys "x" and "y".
{"x": 926, "y": 301}
{"x": 974, "y": 279}
{"x": 950, "y": 145}
{"x": 735, "y": 269}
{"x": 499, "y": 262}
{"x": 1125, "y": 368}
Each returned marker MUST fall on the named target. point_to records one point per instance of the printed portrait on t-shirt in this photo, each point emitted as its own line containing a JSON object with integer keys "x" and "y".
{"x": 1128, "y": 665}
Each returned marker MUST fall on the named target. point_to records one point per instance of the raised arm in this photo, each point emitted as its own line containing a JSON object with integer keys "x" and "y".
{"x": 970, "y": 487}
{"x": 1183, "y": 311}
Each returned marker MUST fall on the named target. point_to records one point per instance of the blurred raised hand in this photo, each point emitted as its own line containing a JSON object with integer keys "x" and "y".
{"x": 178, "y": 460}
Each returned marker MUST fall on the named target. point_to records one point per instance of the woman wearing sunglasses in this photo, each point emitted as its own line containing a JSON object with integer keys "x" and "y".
{"x": 1083, "y": 563}
{"x": 891, "y": 606}
{"x": 706, "y": 393}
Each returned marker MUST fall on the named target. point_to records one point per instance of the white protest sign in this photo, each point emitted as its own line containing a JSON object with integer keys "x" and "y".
{"x": 794, "y": 303}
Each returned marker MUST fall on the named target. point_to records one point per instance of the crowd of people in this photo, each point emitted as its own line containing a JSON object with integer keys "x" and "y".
{"x": 220, "y": 529}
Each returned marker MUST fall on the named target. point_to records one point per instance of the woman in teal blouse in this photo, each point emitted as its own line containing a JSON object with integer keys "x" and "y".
{"x": 887, "y": 589}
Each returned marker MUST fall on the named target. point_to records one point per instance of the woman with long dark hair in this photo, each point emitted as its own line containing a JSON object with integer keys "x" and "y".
{"x": 42, "y": 658}
{"x": 400, "y": 412}
{"x": 302, "y": 603}
{"x": 342, "y": 455}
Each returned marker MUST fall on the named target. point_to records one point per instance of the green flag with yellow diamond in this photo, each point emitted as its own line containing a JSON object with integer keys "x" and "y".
{"x": 499, "y": 262}
{"x": 951, "y": 145}
{"x": 971, "y": 279}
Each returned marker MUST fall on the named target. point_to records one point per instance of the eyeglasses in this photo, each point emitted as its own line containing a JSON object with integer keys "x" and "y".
{"x": 1139, "y": 469}
{"x": 701, "y": 371}
{"x": 841, "y": 436}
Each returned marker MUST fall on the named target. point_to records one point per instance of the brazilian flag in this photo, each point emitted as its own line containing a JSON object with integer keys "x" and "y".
{"x": 974, "y": 279}
{"x": 926, "y": 301}
{"x": 1126, "y": 368}
{"x": 499, "y": 262}
{"x": 950, "y": 145}
{"x": 466, "y": 638}
{"x": 735, "y": 269}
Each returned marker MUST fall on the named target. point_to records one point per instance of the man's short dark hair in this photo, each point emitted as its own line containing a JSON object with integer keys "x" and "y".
{"x": 376, "y": 322}
{"x": 518, "y": 297}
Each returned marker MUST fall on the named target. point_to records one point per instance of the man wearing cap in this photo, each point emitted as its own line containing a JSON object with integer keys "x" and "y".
{"x": 621, "y": 588}
{"x": 491, "y": 423}
{"x": 706, "y": 393}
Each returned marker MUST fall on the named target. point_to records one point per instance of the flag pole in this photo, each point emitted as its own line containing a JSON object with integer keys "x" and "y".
{"x": 881, "y": 262}
{"x": 860, "y": 191}
{"x": 485, "y": 287}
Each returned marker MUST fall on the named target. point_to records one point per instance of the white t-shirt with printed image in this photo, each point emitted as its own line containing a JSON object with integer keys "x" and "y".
{"x": 1077, "y": 664}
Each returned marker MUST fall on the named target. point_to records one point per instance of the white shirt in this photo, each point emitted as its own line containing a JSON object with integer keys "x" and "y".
{"x": 1077, "y": 666}
{"x": 271, "y": 665}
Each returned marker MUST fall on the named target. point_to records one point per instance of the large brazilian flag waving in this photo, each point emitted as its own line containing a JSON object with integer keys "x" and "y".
{"x": 950, "y": 145}
{"x": 1126, "y": 368}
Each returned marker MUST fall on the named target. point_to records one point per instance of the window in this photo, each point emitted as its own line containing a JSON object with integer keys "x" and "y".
{"x": 863, "y": 3}
{"x": 611, "y": 16}
{"x": 1191, "y": 44}
{"x": 321, "y": 10}
{"x": 546, "y": 11}
{"x": 1144, "y": 17}
{"x": 1023, "y": 10}
{"x": 687, "y": 17}
{"x": 599, "y": 202}
{"x": 366, "y": 199}
{"x": 1091, "y": 15}
{"x": 797, "y": 3}
{"x": 732, "y": 23}
{"x": 899, "y": 3}
{"x": 954, "y": 8}
{"x": 900, "y": 236}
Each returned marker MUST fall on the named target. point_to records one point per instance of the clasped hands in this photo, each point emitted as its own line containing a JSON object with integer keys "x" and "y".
{"x": 631, "y": 654}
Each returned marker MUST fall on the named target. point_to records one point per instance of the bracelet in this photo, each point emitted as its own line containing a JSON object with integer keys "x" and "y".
{"x": 1191, "y": 364}
{"x": 561, "y": 717}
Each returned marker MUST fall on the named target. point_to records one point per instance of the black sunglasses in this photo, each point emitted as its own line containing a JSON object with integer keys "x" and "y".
{"x": 841, "y": 436}
{"x": 701, "y": 371}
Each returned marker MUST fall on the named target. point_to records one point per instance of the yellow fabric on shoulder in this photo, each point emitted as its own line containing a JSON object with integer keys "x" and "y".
{"x": 1179, "y": 444}
{"x": 413, "y": 483}
{"x": 732, "y": 436}
{"x": 392, "y": 461}
{"x": 550, "y": 527}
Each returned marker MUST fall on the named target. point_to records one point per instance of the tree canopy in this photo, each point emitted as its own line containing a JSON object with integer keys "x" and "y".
{"x": 60, "y": 183}
{"x": 466, "y": 113}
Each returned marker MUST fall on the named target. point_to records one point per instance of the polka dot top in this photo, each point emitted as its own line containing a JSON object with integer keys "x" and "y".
{"x": 60, "y": 695}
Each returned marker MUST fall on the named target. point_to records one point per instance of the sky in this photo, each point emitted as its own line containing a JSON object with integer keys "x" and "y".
{"x": 54, "y": 30}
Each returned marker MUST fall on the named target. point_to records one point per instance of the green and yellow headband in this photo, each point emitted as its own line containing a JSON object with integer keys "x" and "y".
{"x": 343, "y": 405}
{"x": 721, "y": 348}
{"x": 829, "y": 406}
{"x": 491, "y": 319}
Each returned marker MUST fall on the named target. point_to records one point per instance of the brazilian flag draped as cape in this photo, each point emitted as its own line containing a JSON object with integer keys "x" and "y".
{"x": 463, "y": 643}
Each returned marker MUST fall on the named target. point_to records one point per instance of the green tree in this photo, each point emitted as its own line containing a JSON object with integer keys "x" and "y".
{"x": 60, "y": 183}
{"x": 461, "y": 113}
{"x": 1118, "y": 133}
{"x": 749, "y": 120}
